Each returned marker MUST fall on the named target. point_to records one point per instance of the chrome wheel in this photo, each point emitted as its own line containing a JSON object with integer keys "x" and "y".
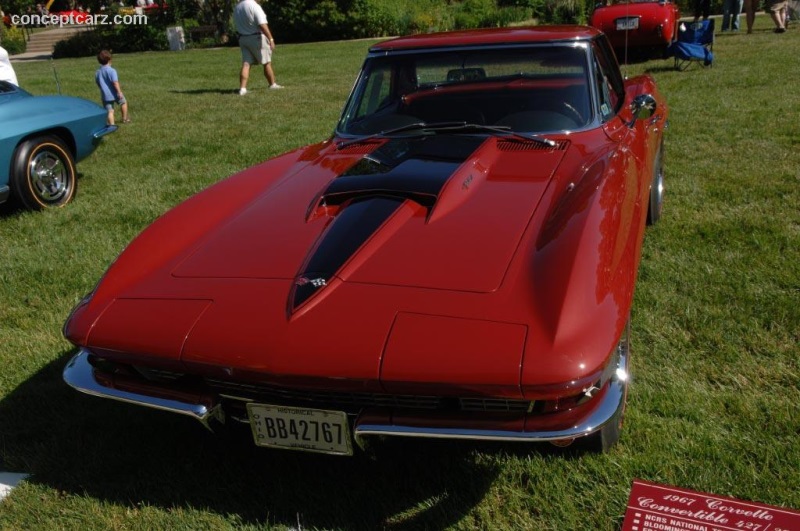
{"x": 49, "y": 177}
{"x": 43, "y": 173}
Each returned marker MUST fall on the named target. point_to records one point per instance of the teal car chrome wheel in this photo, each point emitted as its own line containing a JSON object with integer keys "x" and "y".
{"x": 44, "y": 173}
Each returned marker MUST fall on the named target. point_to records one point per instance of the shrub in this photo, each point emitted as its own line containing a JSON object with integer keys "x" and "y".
{"x": 82, "y": 44}
{"x": 13, "y": 40}
{"x": 567, "y": 11}
{"x": 475, "y": 14}
{"x": 118, "y": 39}
{"x": 378, "y": 18}
{"x": 309, "y": 20}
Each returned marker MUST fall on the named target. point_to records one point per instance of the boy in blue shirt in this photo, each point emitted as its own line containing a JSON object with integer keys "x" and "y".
{"x": 110, "y": 91}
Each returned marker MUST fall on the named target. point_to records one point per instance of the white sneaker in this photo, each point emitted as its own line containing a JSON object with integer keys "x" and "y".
{"x": 276, "y": 86}
{"x": 242, "y": 91}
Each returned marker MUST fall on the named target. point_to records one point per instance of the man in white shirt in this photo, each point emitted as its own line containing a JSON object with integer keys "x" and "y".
{"x": 255, "y": 41}
{"x": 6, "y": 70}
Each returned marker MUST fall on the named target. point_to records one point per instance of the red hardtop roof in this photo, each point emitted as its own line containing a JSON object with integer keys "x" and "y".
{"x": 530, "y": 34}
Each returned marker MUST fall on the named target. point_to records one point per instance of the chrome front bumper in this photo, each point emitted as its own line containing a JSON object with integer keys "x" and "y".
{"x": 608, "y": 409}
{"x": 80, "y": 374}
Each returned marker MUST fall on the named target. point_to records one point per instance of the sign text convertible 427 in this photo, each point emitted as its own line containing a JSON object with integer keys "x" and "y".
{"x": 653, "y": 507}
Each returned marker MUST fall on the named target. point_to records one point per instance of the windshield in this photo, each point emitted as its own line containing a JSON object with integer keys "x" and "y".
{"x": 526, "y": 89}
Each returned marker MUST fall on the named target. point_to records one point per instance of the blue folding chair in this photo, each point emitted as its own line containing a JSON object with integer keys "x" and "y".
{"x": 695, "y": 43}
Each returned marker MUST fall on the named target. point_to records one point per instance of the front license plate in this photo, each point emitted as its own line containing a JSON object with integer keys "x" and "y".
{"x": 624, "y": 24}
{"x": 314, "y": 430}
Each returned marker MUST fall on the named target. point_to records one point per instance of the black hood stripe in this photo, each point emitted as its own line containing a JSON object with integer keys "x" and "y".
{"x": 352, "y": 227}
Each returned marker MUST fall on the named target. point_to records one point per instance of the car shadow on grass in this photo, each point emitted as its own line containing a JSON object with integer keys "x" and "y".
{"x": 207, "y": 91}
{"x": 132, "y": 456}
{"x": 12, "y": 207}
{"x": 665, "y": 68}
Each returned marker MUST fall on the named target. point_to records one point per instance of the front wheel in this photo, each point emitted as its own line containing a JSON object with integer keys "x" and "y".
{"x": 43, "y": 173}
{"x": 601, "y": 441}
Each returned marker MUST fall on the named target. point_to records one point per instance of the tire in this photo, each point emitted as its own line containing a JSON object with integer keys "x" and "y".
{"x": 43, "y": 173}
{"x": 656, "y": 205}
{"x": 602, "y": 440}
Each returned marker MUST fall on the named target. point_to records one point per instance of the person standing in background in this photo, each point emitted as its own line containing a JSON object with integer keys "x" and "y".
{"x": 110, "y": 90}
{"x": 730, "y": 14}
{"x": 777, "y": 10}
{"x": 255, "y": 41}
{"x": 702, "y": 8}
{"x": 6, "y": 70}
{"x": 750, "y": 8}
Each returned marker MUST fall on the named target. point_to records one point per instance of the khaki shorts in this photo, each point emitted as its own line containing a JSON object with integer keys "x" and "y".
{"x": 255, "y": 49}
{"x": 778, "y": 5}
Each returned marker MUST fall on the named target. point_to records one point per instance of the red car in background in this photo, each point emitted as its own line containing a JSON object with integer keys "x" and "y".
{"x": 640, "y": 29}
{"x": 71, "y": 16}
{"x": 457, "y": 261}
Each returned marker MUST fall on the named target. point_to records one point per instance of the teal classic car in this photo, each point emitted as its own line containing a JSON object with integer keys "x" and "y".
{"x": 41, "y": 139}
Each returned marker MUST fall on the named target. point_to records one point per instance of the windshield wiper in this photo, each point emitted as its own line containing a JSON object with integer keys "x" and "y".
{"x": 423, "y": 127}
{"x": 389, "y": 132}
{"x": 502, "y": 130}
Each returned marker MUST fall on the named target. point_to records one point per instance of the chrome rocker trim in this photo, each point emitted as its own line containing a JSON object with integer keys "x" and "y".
{"x": 79, "y": 374}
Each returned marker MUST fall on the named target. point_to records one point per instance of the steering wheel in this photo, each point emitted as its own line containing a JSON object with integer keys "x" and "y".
{"x": 568, "y": 110}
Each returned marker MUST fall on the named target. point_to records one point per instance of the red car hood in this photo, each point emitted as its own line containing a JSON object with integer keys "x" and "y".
{"x": 437, "y": 212}
{"x": 370, "y": 264}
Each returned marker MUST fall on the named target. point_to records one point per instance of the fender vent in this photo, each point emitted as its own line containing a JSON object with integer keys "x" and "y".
{"x": 514, "y": 145}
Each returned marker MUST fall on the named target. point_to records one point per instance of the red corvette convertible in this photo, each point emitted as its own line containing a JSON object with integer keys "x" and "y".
{"x": 457, "y": 261}
{"x": 639, "y": 28}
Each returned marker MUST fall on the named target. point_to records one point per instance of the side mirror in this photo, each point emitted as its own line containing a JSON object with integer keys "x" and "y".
{"x": 642, "y": 107}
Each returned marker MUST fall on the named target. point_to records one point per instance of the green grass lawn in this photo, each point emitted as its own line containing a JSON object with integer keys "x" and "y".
{"x": 714, "y": 403}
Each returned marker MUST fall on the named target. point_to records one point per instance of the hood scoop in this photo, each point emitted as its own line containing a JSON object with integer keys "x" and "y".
{"x": 364, "y": 197}
{"x": 415, "y": 169}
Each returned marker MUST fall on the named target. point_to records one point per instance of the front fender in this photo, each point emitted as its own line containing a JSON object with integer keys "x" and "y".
{"x": 175, "y": 233}
{"x": 584, "y": 266}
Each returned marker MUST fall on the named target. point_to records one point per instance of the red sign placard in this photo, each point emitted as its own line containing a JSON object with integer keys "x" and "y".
{"x": 653, "y": 507}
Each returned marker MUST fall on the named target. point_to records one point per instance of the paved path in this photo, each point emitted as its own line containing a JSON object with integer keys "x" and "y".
{"x": 41, "y": 43}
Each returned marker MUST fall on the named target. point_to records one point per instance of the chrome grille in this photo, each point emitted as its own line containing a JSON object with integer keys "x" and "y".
{"x": 284, "y": 394}
{"x": 495, "y": 404}
{"x": 245, "y": 391}
{"x": 158, "y": 375}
